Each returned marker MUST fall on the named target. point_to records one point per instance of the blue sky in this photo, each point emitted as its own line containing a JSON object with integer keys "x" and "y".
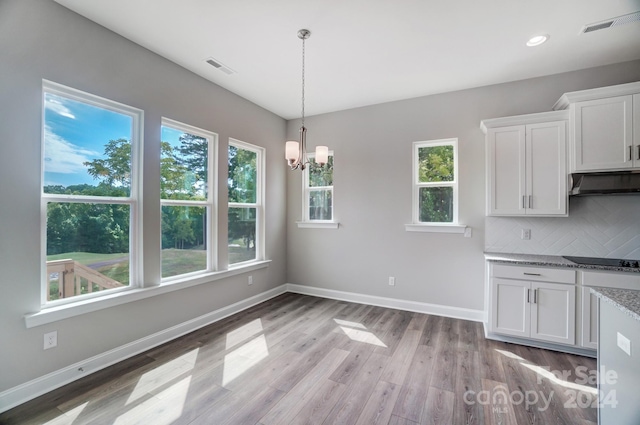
{"x": 74, "y": 133}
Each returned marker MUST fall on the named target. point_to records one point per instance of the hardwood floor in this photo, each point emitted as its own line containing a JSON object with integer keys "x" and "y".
{"x": 303, "y": 360}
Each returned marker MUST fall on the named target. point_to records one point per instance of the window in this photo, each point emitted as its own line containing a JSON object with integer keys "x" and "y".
{"x": 435, "y": 187}
{"x": 245, "y": 185}
{"x": 90, "y": 194}
{"x": 187, "y": 199}
{"x": 318, "y": 190}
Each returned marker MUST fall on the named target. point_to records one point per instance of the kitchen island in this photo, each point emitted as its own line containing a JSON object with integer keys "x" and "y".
{"x": 618, "y": 355}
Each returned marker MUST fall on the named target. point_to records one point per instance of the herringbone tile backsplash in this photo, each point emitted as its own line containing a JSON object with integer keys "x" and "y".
{"x": 597, "y": 226}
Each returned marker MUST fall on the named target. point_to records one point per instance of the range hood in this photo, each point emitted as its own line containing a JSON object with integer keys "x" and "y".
{"x": 611, "y": 183}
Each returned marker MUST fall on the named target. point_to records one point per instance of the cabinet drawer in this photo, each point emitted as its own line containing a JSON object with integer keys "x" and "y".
{"x": 611, "y": 280}
{"x": 536, "y": 274}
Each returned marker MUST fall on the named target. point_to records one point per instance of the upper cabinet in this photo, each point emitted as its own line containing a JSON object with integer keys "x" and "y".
{"x": 526, "y": 165}
{"x": 605, "y": 128}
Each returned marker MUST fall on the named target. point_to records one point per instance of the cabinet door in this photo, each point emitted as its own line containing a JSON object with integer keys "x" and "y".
{"x": 506, "y": 175}
{"x": 553, "y": 312}
{"x": 510, "y": 309}
{"x": 602, "y": 134}
{"x": 589, "y": 324}
{"x": 546, "y": 169}
{"x": 636, "y": 129}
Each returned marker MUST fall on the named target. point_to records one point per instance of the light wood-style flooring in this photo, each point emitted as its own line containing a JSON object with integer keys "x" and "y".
{"x": 298, "y": 359}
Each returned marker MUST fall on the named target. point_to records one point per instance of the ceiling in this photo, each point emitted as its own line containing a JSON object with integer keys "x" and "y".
{"x": 363, "y": 52}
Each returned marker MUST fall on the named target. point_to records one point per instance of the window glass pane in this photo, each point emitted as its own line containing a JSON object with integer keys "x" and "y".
{"x": 436, "y": 204}
{"x": 243, "y": 175}
{"x": 242, "y": 235}
{"x": 435, "y": 164}
{"x": 320, "y": 176}
{"x": 320, "y": 204}
{"x": 87, "y": 248}
{"x": 85, "y": 146}
{"x": 183, "y": 165}
{"x": 184, "y": 240}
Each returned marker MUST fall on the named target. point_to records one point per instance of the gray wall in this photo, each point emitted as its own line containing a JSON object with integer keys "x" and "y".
{"x": 40, "y": 39}
{"x": 372, "y": 186}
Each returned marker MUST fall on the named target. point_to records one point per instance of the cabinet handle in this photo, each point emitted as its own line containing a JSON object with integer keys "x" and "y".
{"x": 638, "y": 146}
{"x": 532, "y": 274}
{"x": 528, "y": 296}
{"x": 530, "y": 201}
{"x": 535, "y": 296}
{"x": 630, "y": 153}
{"x": 524, "y": 199}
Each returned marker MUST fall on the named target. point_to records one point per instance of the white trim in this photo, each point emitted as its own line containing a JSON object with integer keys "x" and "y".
{"x": 60, "y": 312}
{"x": 597, "y": 93}
{"x": 539, "y": 118}
{"x": 436, "y": 228}
{"x": 317, "y": 224}
{"x": 415, "y": 306}
{"x": 34, "y": 388}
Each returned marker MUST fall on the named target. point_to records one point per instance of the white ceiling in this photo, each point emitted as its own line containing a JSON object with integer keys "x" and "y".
{"x": 363, "y": 52}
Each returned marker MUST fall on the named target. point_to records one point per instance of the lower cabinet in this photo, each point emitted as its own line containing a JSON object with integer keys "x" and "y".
{"x": 589, "y": 319}
{"x": 533, "y": 307}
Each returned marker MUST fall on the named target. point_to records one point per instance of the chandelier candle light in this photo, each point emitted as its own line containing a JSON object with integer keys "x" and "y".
{"x": 295, "y": 152}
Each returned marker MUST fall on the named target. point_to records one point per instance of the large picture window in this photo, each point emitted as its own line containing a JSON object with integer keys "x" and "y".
{"x": 187, "y": 186}
{"x": 90, "y": 194}
{"x": 318, "y": 190}
{"x": 435, "y": 187}
{"x": 245, "y": 185}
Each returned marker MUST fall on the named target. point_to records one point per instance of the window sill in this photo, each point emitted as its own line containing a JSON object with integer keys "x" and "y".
{"x": 60, "y": 312}
{"x": 317, "y": 224}
{"x": 439, "y": 228}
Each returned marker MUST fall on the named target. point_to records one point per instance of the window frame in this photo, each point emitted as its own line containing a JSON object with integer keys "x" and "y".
{"x": 306, "y": 191}
{"x": 417, "y": 185}
{"x": 133, "y": 200}
{"x": 258, "y": 205}
{"x": 210, "y": 203}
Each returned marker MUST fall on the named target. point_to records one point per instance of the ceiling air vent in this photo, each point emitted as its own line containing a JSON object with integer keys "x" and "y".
{"x": 216, "y": 64}
{"x": 613, "y": 22}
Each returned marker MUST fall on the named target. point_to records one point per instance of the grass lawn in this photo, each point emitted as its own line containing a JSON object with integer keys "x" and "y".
{"x": 180, "y": 261}
{"x": 87, "y": 257}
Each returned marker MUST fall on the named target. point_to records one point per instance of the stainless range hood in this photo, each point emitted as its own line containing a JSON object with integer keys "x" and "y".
{"x": 611, "y": 183}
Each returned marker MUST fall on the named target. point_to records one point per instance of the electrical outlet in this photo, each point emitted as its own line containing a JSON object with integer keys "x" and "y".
{"x": 392, "y": 281}
{"x": 250, "y": 280}
{"x": 50, "y": 340}
{"x": 526, "y": 234}
{"x": 624, "y": 343}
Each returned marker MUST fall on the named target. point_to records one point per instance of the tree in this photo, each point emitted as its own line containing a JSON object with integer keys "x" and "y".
{"x": 115, "y": 169}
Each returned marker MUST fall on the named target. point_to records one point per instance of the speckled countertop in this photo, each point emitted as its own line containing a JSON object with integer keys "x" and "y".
{"x": 627, "y": 300}
{"x": 549, "y": 260}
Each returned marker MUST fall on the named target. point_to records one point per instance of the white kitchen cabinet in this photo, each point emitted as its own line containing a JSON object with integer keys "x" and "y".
{"x": 588, "y": 327}
{"x": 526, "y": 166}
{"x": 526, "y": 305}
{"x": 603, "y": 132}
{"x": 605, "y": 128}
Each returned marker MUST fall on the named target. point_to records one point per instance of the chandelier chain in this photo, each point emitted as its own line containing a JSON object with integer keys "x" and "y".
{"x": 303, "y": 45}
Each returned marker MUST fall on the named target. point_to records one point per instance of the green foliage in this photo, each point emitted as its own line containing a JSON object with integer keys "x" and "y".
{"x": 243, "y": 175}
{"x": 435, "y": 164}
{"x": 436, "y": 204}
{"x": 115, "y": 169}
{"x": 321, "y": 175}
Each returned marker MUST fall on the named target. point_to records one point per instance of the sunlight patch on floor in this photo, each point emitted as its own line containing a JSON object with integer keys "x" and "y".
{"x": 358, "y": 332}
{"x": 164, "y": 374}
{"x": 244, "y": 358}
{"x": 243, "y": 333}
{"x": 553, "y": 378}
{"x": 68, "y": 417}
{"x": 164, "y": 408}
{"x": 510, "y": 354}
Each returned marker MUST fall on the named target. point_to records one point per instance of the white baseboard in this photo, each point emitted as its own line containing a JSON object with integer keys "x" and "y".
{"x": 418, "y": 307}
{"x": 42, "y": 385}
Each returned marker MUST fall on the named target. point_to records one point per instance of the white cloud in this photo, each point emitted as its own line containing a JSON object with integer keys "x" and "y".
{"x": 62, "y": 156}
{"x": 57, "y": 106}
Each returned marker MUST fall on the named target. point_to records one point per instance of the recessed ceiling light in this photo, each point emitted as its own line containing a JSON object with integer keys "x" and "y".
{"x": 537, "y": 40}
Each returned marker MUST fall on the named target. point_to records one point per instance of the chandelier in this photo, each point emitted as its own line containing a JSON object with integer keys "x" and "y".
{"x": 296, "y": 152}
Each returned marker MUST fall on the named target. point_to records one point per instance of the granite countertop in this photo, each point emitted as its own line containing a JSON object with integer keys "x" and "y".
{"x": 549, "y": 260}
{"x": 627, "y": 300}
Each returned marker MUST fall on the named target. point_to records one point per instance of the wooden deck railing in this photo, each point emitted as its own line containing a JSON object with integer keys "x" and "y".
{"x": 70, "y": 275}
